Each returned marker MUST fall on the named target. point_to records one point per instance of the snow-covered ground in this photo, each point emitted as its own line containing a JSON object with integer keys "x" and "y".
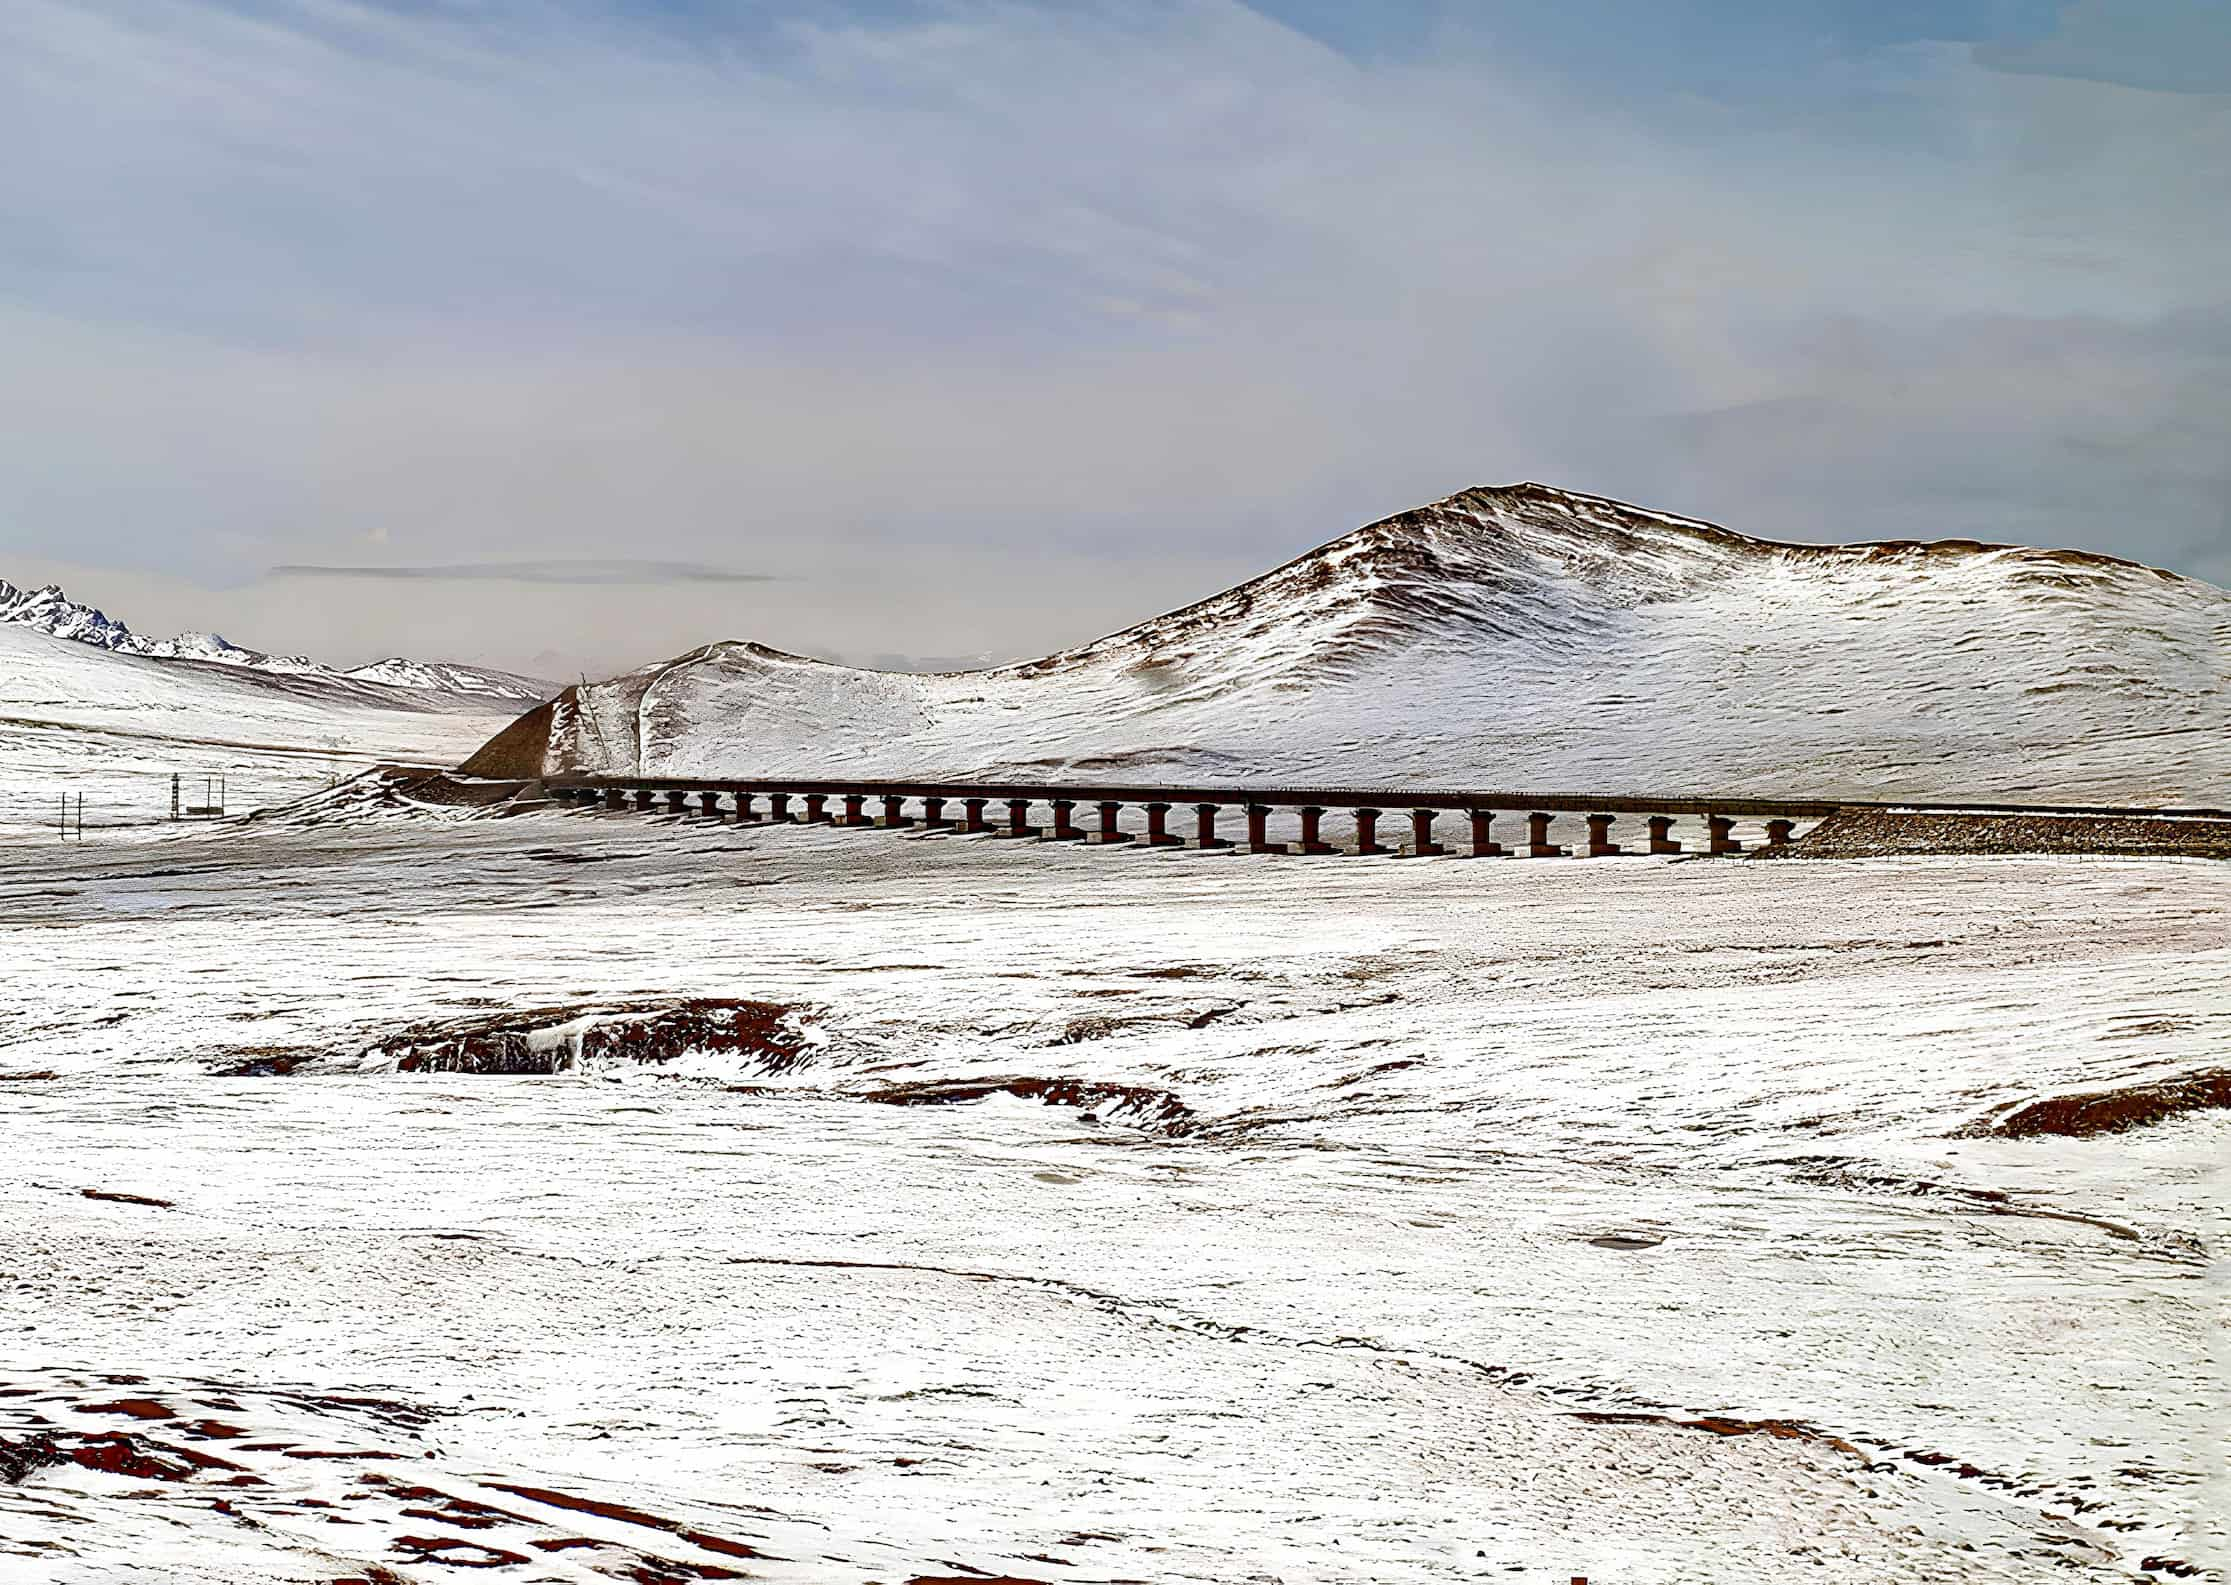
{"x": 1524, "y": 637}
{"x": 80, "y": 719}
{"x": 1466, "y": 1221}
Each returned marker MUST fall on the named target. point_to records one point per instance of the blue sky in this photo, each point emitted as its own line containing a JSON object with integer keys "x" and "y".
{"x": 979, "y": 328}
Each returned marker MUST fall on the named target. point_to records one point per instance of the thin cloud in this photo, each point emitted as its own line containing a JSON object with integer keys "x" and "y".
{"x": 595, "y": 572}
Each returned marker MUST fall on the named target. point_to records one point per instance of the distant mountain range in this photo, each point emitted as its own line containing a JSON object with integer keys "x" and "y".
{"x": 1519, "y": 637}
{"x": 48, "y": 610}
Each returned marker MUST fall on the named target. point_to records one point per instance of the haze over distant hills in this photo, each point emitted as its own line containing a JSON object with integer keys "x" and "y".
{"x": 1519, "y": 637}
{"x": 48, "y": 610}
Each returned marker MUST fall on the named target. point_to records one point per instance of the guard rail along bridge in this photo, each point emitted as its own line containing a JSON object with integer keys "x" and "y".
{"x": 1005, "y": 810}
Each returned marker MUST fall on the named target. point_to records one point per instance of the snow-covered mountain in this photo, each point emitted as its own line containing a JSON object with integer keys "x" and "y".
{"x": 114, "y": 725}
{"x": 1524, "y": 637}
{"x": 443, "y": 676}
{"x": 48, "y": 610}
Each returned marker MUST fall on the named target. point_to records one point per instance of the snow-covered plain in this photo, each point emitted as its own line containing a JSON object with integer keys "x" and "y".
{"x": 1523, "y": 1221}
{"x": 1523, "y": 637}
{"x": 113, "y": 727}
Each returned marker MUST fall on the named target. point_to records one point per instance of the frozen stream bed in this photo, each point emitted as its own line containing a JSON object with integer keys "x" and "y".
{"x": 1283, "y": 1220}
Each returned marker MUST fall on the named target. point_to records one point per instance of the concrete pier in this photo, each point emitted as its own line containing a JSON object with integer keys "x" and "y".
{"x": 1484, "y": 845}
{"x": 1661, "y": 837}
{"x": 1258, "y": 837}
{"x": 1422, "y": 845}
{"x": 1777, "y": 832}
{"x": 1109, "y": 834}
{"x": 1538, "y": 844}
{"x": 1367, "y": 832}
{"x": 817, "y": 812}
{"x": 933, "y": 814}
{"x": 708, "y": 805}
{"x": 894, "y": 813}
{"x": 1720, "y": 835}
{"x": 745, "y": 814}
{"x": 1600, "y": 844}
{"x": 644, "y": 797}
{"x": 1204, "y": 827}
{"x": 614, "y": 798}
{"x": 854, "y": 810}
{"x": 1158, "y": 827}
{"x": 1018, "y": 820}
{"x": 778, "y": 808}
{"x": 1312, "y": 838}
{"x": 1064, "y": 829}
{"x": 972, "y": 815}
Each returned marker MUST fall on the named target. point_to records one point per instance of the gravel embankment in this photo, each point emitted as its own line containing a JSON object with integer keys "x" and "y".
{"x": 1873, "y": 833}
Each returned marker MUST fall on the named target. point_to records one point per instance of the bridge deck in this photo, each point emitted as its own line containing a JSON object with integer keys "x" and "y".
{"x": 1239, "y": 796}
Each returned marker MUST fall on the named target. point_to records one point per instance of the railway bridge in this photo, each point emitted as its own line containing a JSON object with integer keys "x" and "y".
{"x": 1193, "y": 816}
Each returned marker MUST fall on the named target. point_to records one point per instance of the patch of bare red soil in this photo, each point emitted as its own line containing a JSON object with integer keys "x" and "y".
{"x": 455, "y": 1552}
{"x": 137, "y": 1408}
{"x": 514, "y": 1043}
{"x": 1136, "y": 1103}
{"x": 21, "y": 1456}
{"x": 2088, "y": 1113}
{"x": 120, "y": 1454}
{"x": 626, "y": 1515}
{"x": 1722, "y": 1425}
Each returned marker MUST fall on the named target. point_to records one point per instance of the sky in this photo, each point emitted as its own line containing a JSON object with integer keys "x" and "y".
{"x": 566, "y": 336}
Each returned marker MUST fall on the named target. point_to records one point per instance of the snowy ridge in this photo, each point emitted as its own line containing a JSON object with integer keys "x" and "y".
{"x": 1518, "y": 636}
{"x": 48, "y": 610}
{"x": 441, "y": 676}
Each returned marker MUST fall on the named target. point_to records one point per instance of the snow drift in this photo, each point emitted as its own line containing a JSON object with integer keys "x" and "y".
{"x": 1518, "y": 637}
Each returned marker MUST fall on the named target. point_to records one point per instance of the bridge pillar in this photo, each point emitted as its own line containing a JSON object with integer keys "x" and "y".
{"x": 1661, "y": 840}
{"x": 1367, "y": 832}
{"x": 708, "y": 805}
{"x": 1110, "y": 833}
{"x": 1204, "y": 827}
{"x": 894, "y": 813}
{"x": 778, "y": 808}
{"x": 677, "y": 801}
{"x": 745, "y": 813}
{"x": 1158, "y": 827}
{"x": 642, "y": 798}
{"x": 933, "y": 814}
{"x": 1484, "y": 845}
{"x": 1065, "y": 829}
{"x": 1422, "y": 845}
{"x": 1600, "y": 844}
{"x": 1258, "y": 836}
{"x": 1018, "y": 819}
{"x": 1720, "y": 834}
{"x": 1777, "y": 832}
{"x": 817, "y": 812}
{"x": 854, "y": 814}
{"x": 1312, "y": 839}
{"x": 972, "y": 814}
{"x": 1538, "y": 844}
